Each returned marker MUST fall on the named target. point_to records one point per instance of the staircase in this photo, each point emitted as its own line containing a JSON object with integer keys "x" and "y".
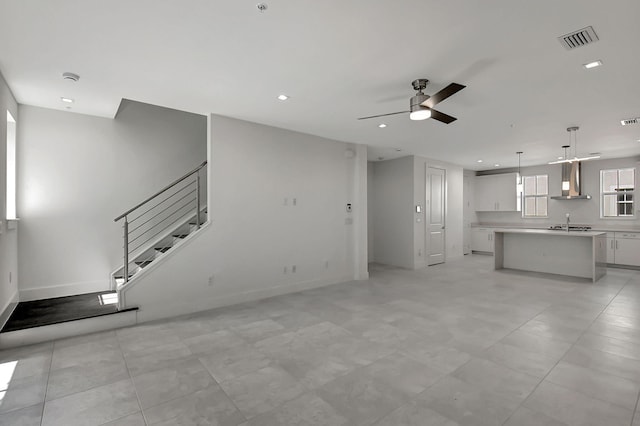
{"x": 159, "y": 224}
{"x": 151, "y": 230}
{"x": 156, "y": 250}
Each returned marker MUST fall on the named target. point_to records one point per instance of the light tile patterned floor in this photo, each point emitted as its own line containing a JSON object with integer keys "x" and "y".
{"x": 454, "y": 344}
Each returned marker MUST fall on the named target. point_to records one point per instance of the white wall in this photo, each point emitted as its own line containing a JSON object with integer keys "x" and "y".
{"x": 370, "y": 225}
{"x": 77, "y": 173}
{"x": 469, "y": 212}
{"x": 254, "y": 233}
{"x": 8, "y": 237}
{"x": 391, "y": 208}
{"x": 582, "y": 211}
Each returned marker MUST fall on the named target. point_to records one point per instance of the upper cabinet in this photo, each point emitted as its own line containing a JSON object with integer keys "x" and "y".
{"x": 497, "y": 193}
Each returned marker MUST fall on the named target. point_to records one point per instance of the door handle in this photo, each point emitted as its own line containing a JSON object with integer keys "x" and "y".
{"x": 442, "y": 227}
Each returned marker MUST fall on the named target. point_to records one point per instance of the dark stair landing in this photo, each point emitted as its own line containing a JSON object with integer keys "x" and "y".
{"x": 37, "y": 313}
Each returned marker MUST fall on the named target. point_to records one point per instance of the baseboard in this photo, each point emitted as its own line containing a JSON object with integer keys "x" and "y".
{"x": 8, "y": 309}
{"x": 63, "y": 290}
{"x": 484, "y": 253}
{"x": 616, "y": 266}
{"x": 178, "y": 308}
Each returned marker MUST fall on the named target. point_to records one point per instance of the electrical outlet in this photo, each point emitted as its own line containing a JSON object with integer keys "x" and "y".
{"x": 326, "y": 264}
{"x": 210, "y": 281}
{"x": 293, "y": 269}
{"x": 419, "y": 252}
{"x": 285, "y": 202}
{"x": 294, "y": 201}
{"x": 285, "y": 270}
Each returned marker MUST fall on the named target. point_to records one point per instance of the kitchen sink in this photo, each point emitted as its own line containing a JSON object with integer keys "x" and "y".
{"x": 571, "y": 228}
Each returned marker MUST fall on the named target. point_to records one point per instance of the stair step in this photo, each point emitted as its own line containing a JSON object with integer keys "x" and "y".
{"x": 48, "y": 319}
{"x": 163, "y": 245}
{"x": 72, "y": 328}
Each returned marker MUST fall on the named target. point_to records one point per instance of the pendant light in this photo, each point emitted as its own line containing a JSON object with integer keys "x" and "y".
{"x": 573, "y": 130}
{"x": 519, "y": 175}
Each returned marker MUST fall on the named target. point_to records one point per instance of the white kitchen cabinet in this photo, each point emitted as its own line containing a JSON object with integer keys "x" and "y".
{"x": 611, "y": 247}
{"x": 482, "y": 239}
{"x": 497, "y": 193}
{"x": 626, "y": 249}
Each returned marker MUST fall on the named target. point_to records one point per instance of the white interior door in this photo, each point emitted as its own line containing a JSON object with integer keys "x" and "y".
{"x": 436, "y": 215}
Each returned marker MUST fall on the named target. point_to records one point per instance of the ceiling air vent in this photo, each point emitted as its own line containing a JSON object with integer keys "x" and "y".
{"x": 630, "y": 121}
{"x": 578, "y": 38}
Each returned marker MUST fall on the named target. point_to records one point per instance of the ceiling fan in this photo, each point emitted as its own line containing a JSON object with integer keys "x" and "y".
{"x": 421, "y": 105}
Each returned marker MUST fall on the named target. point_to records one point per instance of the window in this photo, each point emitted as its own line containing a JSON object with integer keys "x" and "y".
{"x": 616, "y": 192}
{"x": 535, "y": 195}
{"x": 11, "y": 166}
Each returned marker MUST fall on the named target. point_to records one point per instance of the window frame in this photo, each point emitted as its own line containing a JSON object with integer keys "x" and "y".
{"x": 11, "y": 207}
{"x": 536, "y": 196}
{"x": 632, "y": 192}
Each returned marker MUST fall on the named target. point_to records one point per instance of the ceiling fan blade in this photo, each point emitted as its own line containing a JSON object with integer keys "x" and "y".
{"x": 383, "y": 115}
{"x": 441, "y": 116}
{"x": 451, "y": 89}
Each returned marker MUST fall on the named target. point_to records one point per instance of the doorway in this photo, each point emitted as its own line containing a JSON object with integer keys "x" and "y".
{"x": 435, "y": 185}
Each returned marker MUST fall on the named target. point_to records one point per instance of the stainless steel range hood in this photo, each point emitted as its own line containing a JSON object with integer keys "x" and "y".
{"x": 571, "y": 183}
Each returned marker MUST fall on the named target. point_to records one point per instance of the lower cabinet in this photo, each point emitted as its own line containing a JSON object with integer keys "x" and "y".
{"x": 626, "y": 249}
{"x": 611, "y": 247}
{"x": 482, "y": 239}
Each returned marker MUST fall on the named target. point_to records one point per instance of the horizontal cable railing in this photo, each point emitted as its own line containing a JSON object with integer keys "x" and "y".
{"x": 158, "y": 213}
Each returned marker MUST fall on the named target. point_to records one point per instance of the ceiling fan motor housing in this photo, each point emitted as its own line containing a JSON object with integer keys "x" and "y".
{"x": 415, "y": 101}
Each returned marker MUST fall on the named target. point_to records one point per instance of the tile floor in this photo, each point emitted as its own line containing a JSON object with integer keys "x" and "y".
{"x": 455, "y": 344}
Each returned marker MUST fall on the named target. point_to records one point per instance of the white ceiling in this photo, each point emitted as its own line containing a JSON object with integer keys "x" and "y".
{"x": 339, "y": 60}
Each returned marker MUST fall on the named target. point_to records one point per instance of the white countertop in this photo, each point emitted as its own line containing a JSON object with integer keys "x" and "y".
{"x": 550, "y": 232}
{"x": 599, "y": 228}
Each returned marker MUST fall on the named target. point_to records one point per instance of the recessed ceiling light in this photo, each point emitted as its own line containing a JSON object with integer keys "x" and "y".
{"x": 593, "y": 64}
{"x": 67, "y": 100}
{"x": 479, "y": 161}
{"x": 382, "y": 125}
{"x": 496, "y": 165}
{"x": 398, "y": 150}
{"x": 283, "y": 97}
{"x": 560, "y": 158}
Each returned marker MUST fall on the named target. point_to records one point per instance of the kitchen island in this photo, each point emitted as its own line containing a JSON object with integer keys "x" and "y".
{"x": 575, "y": 253}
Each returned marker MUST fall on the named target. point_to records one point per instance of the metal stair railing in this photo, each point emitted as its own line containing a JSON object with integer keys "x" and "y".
{"x": 159, "y": 212}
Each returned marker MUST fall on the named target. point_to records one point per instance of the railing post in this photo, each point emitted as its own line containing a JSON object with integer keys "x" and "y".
{"x": 198, "y": 199}
{"x": 126, "y": 249}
